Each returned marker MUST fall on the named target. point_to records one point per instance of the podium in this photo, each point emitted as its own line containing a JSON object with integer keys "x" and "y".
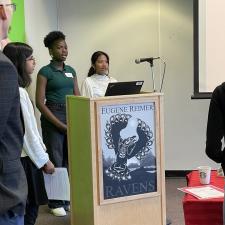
{"x": 116, "y": 160}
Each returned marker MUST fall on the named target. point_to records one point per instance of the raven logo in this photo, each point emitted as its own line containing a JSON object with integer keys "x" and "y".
{"x": 128, "y": 137}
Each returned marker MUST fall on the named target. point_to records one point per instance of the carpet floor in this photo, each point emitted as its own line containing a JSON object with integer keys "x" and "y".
{"x": 174, "y": 208}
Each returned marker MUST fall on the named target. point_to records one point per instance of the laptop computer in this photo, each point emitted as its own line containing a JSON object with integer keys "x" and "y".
{"x": 124, "y": 88}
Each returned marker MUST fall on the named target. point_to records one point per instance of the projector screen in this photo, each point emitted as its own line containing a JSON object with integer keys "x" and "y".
{"x": 209, "y": 46}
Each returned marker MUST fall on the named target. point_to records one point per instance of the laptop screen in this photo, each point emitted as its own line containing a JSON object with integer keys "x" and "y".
{"x": 124, "y": 88}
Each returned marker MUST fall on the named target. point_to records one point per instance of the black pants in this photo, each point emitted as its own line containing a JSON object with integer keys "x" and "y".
{"x": 36, "y": 190}
{"x": 31, "y": 214}
{"x": 56, "y": 143}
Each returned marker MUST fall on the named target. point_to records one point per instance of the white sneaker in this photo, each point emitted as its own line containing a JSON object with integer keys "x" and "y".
{"x": 58, "y": 211}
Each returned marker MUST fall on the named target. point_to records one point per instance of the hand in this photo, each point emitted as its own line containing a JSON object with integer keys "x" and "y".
{"x": 63, "y": 128}
{"x": 49, "y": 168}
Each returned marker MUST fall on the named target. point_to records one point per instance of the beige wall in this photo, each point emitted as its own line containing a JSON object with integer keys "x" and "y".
{"x": 127, "y": 30}
{"x": 40, "y": 18}
{"x": 185, "y": 119}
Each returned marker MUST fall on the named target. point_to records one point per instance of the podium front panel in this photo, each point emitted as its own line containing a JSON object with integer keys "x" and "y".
{"x": 116, "y": 160}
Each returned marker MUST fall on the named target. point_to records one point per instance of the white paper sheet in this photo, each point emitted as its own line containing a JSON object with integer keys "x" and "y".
{"x": 204, "y": 192}
{"x": 57, "y": 184}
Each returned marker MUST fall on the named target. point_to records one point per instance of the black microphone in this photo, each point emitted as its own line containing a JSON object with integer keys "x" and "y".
{"x": 146, "y": 59}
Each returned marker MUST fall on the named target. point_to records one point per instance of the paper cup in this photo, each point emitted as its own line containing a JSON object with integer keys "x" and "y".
{"x": 204, "y": 174}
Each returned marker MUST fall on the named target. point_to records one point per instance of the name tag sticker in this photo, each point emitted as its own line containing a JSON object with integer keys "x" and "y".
{"x": 69, "y": 75}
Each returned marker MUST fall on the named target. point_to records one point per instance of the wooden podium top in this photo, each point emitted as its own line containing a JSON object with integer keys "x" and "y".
{"x": 141, "y": 95}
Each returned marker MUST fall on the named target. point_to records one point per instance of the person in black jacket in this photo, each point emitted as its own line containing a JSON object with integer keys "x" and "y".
{"x": 216, "y": 126}
{"x": 13, "y": 185}
{"x": 216, "y": 129}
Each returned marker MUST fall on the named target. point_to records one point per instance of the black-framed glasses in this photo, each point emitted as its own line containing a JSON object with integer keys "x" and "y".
{"x": 30, "y": 58}
{"x": 8, "y": 6}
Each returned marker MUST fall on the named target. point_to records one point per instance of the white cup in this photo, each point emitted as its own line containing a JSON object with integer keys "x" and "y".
{"x": 204, "y": 174}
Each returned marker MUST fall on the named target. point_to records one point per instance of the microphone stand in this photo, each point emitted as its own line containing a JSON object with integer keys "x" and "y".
{"x": 153, "y": 75}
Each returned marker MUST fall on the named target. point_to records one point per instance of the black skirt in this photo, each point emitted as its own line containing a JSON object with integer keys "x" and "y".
{"x": 36, "y": 188}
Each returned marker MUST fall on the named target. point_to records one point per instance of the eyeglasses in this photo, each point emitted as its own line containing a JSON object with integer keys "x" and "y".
{"x": 30, "y": 58}
{"x": 8, "y": 6}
